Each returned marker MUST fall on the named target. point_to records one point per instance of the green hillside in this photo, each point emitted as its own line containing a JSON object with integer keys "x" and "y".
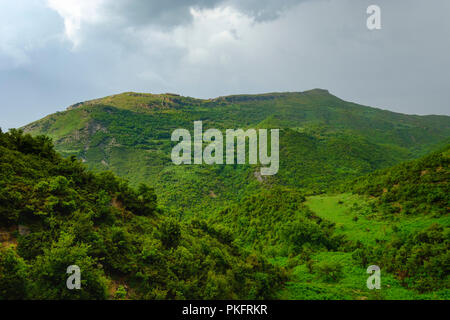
{"x": 54, "y": 213}
{"x": 323, "y": 140}
{"x": 419, "y": 186}
{"x": 327, "y": 241}
{"x": 276, "y": 243}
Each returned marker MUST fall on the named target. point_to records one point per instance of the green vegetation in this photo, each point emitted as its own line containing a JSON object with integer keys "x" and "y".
{"x": 323, "y": 140}
{"x": 413, "y": 250}
{"x": 357, "y": 186}
{"x": 55, "y": 213}
{"x": 419, "y": 186}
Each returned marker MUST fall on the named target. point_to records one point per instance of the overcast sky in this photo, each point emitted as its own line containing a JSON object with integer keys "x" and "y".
{"x": 54, "y": 53}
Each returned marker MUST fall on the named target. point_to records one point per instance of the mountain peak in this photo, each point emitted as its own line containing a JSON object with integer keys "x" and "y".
{"x": 317, "y": 91}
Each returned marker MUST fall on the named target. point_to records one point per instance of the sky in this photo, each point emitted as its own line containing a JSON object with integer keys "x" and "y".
{"x": 54, "y": 53}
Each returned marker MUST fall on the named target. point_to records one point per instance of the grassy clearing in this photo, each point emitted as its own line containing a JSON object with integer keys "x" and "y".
{"x": 340, "y": 209}
{"x": 308, "y": 282}
{"x": 343, "y": 209}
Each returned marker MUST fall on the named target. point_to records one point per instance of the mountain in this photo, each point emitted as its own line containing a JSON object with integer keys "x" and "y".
{"x": 323, "y": 139}
{"x": 357, "y": 186}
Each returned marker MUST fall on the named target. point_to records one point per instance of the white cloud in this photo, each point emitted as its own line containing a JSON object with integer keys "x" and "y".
{"x": 211, "y": 32}
{"x": 76, "y": 13}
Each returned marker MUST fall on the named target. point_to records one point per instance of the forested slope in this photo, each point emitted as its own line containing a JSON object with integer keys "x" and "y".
{"x": 54, "y": 213}
{"x": 323, "y": 140}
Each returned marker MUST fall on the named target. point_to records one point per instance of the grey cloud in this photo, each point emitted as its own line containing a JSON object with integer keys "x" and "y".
{"x": 263, "y": 10}
{"x": 159, "y": 47}
{"x": 163, "y": 13}
{"x": 171, "y": 13}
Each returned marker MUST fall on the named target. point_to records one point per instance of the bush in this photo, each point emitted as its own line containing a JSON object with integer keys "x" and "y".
{"x": 329, "y": 271}
{"x": 170, "y": 233}
{"x": 13, "y": 276}
{"x": 121, "y": 293}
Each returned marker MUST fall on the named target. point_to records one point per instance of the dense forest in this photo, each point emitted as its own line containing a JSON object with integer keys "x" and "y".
{"x": 357, "y": 186}
{"x": 54, "y": 213}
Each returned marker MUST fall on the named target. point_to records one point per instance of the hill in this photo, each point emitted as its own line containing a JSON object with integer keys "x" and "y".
{"x": 323, "y": 140}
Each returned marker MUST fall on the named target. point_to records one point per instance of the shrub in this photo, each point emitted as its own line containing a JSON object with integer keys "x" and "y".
{"x": 329, "y": 271}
